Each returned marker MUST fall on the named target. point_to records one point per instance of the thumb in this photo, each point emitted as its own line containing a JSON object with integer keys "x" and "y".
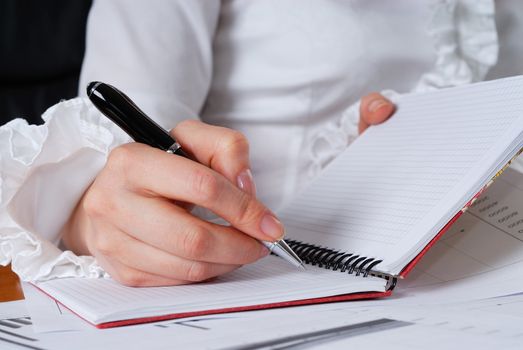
{"x": 374, "y": 109}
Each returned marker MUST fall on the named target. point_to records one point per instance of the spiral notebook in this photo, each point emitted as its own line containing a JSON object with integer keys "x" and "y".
{"x": 363, "y": 222}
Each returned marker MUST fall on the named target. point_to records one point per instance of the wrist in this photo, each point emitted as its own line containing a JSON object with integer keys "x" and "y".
{"x": 73, "y": 233}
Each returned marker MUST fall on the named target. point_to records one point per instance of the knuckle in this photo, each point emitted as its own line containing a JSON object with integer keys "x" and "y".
{"x": 235, "y": 142}
{"x": 104, "y": 245}
{"x": 95, "y": 203}
{"x": 99, "y": 203}
{"x": 131, "y": 278}
{"x": 196, "y": 243}
{"x": 206, "y": 186}
{"x": 197, "y": 272}
{"x": 121, "y": 158}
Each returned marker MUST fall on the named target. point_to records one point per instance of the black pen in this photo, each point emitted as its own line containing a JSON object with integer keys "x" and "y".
{"x": 119, "y": 108}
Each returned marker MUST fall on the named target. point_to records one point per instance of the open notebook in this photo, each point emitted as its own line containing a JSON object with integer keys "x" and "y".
{"x": 364, "y": 222}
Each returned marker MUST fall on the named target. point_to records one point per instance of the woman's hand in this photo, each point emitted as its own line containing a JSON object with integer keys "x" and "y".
{"x": 135, "y": 216}
{"x": 374, "y": 109}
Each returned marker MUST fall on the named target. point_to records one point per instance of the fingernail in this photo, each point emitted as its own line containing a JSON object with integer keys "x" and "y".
{"x": 377, "y": 104}
{"x": 272, "y": 227}
{"x": 264, "y": 251}
{"x": 246, "y": 182}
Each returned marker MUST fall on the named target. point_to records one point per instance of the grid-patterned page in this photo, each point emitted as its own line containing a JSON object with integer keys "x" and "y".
{"x": 392, "y": 190}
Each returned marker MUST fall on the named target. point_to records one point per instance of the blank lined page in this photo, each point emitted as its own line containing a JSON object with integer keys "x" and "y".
{"x": 269, "y": 280}
{"x": 394, "y": 188}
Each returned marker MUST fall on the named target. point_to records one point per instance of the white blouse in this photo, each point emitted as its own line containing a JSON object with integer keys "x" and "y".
{"x": 287, "y": 73}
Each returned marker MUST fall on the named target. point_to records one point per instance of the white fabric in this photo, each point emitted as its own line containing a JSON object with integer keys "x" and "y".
{"x": 45, "y": 170}
{"x": 287, "y": 73}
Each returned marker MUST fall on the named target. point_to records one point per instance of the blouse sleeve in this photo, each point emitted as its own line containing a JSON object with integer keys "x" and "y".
{"x": 160, "y": 54}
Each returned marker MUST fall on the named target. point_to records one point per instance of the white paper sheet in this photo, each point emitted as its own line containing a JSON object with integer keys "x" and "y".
{"x": 49, "y": 316}
{"x": 466, "y": 325}
{"x": 482, "y": 253}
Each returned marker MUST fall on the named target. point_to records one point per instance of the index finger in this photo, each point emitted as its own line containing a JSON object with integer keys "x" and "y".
{"x": 150, "y": 170}
{"x": 222, "y": 149}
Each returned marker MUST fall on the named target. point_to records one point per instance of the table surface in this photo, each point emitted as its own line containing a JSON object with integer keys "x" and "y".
{"x": 9, "y": 285}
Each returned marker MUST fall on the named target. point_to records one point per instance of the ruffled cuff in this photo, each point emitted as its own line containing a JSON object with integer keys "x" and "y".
{"x": 465, "y": 41}
{"x": 44, "y": 170}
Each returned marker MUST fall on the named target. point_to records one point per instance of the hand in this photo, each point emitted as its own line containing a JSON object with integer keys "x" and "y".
{"x": 374, "y": 109}
{"x": 134, "y": 217}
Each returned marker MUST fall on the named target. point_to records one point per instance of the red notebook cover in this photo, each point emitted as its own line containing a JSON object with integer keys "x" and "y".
{"x": 345, "y": 297}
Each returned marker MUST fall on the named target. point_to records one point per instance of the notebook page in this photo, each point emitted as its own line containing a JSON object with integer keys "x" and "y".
{"x": 399, "y": 183}
{"x": 267, "y": 281}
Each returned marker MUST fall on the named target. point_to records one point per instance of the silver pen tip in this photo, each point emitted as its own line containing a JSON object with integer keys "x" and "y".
{"x": 289, "y": 254}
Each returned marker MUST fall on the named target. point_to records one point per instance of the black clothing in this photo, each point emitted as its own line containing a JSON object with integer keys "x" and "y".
{"x": 41, "y": 50}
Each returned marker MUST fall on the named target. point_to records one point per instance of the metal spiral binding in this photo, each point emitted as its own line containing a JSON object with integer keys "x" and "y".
{"x": 338, "y": 261}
